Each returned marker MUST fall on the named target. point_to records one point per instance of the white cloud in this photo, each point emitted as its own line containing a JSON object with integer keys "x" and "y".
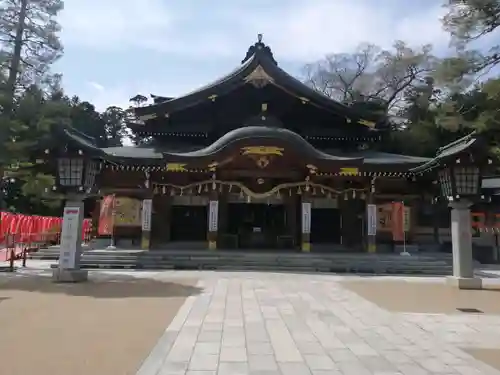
{"x": 315, "y": 28}
{"x": 96, "y": 86}
{"x": 113, "y": 23}
{"x": 301, "y": 29}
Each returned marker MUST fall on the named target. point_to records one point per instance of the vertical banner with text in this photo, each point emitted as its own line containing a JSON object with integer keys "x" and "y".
{"x": 306, "y": 217}
{"x": 371, "y": 219}
{"x": 398, "y": 221}
{"x": 213, "y": 216}
{"x": 147, "y": 205}
{"x": 105, "y": 227}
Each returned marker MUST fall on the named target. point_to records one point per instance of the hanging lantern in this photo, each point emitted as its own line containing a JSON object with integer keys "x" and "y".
{"x": 299, "y": 190}
{"x": 314, "y": 191}
{"x": 182, "y": 192}
{"x": 214, "y": 186}
{"x": 199, "y": 189}
{"x": 362, "y": 196}
{"x": 155, "y": 190}
{"x": 307, "y": 187}
{"x": 230, "y": 187}
{"x": 206, "y": 189}
{"x": 249, "y": 199}
{"x": 164, "y": 190}
{"x": 221, "y": 188}
{"x": 354, "y": 194}
{"x": 346, "y": 197}
{"x": 241, "y": 193}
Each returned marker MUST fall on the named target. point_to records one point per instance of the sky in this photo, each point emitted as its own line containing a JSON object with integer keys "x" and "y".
{"x": 115, "y": 49}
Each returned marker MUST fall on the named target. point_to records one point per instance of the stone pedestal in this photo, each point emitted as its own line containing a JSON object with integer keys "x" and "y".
{"x": 61, "y": 275}
{"x": 461, "y": 237}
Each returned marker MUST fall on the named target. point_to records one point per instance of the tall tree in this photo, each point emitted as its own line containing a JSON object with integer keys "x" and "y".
{"x": 471, "y": 20}
{"x": 28, "y": 34}
{"x": 371, "y": 73}
{"x": 85, "y": 118}
{"x": 114, "y": 125}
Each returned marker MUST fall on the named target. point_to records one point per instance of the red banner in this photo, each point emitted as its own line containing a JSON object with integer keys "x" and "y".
{"x": 106, "y": 216}
{"x": 398, "y": 218}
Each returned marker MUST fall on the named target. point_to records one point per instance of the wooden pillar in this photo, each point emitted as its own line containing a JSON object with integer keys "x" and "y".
{"x": 213, "y": 220}
{"x": 371, "y": 219}
{"x": 306, "y": 223}
{"x": 146, "y": 215}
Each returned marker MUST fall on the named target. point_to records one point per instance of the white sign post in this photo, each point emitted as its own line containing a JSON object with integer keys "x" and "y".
{"x": 306, "y": 217}
{"x": 213, "y": 216}
{"x": 147, "y": 205}
{"x": 371, "y": 219}
{"x": 70, "y": 238}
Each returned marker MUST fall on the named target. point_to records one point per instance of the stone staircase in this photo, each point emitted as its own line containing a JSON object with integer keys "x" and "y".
{"x": 429, "y": 264}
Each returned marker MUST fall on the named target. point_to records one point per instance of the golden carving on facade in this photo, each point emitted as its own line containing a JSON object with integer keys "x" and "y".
{"x": 216, "y": 164}
{"x": 262, "y": 154}
{"x": 312, "y": 168}
{"x": 176, "y": 167}
{"x": 349, "y": 171}
{"x": 262, "y": 161}
{"x": 259, "y": 78}
{"x": 262, "y": 150}
{"x": 370, "y": 124}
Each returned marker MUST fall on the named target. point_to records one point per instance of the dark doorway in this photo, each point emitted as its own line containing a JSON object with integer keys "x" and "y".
{"x": 256, "y": 225}
{"x": 189, "y": 223}
{"x": 325, "y": 225}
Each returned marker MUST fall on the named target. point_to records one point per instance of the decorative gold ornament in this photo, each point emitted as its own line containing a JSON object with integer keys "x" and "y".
{"x": 176, "y": 167}
{"x": 262, "y": 162}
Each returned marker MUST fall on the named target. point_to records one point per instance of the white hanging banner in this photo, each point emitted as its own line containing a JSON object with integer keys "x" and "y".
{"x": 213, "y": 216}
{"x": 69, "y": 238}
{"x": 147, "y": 208}
{"x": 371, "y": 219}
{"x": 306, "y": 217}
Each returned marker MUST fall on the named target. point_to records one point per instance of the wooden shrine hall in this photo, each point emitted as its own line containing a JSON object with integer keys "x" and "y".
{"x": 254, "y": 160}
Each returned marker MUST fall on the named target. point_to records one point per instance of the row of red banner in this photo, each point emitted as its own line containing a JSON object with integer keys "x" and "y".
{"x": 31, "y": 228}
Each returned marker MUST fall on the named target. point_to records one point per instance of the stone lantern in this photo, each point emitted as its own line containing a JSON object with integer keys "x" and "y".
{"x": 75, "y": 178}
{"x": 460, "y": 167}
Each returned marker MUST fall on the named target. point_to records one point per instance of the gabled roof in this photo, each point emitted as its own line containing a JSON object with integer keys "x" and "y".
{"x": 260, "y": 69}
{"x": 148, "y": 156}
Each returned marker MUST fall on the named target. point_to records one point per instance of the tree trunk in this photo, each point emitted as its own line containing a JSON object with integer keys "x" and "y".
{"x": 15, "y": 63}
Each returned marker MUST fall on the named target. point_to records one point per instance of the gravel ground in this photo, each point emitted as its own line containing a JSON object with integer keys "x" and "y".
{"x": 106, "y": 326}
{"x": 425, "y": 297}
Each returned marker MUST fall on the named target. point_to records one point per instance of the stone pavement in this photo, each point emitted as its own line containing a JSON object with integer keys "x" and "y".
{"x": 295, "y": 324}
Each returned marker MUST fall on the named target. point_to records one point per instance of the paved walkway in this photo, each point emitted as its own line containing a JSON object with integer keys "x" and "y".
{"x": 250, "y": 323}
{"x": 270, "y": 324}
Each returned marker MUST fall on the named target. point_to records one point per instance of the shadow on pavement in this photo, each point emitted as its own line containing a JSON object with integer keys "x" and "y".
{"x": 118, "y": 286}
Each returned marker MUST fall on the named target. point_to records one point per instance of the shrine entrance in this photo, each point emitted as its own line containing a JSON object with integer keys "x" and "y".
{"x": 257, "y": 224}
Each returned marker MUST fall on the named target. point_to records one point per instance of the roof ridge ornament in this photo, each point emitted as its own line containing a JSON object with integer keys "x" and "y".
{"x": 259, "y": 49}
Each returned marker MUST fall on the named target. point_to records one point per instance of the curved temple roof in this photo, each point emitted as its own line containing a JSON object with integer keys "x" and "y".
{"x": 470, "y": 142}
{"x": 248, "y": 135}
{"x": 258, "y": 65}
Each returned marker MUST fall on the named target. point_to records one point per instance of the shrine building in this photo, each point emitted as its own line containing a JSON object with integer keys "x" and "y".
{"x": 257, "y": 160}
